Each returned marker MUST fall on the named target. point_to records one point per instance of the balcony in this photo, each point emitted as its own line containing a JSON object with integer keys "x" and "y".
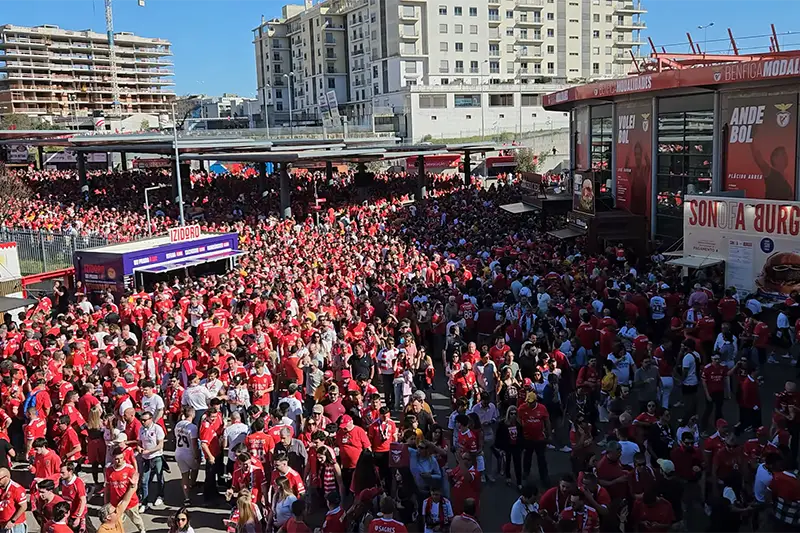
{"x": 528, "y": 21}
{"x": 630, "y": 26}
{"x": 330, "y": 42}
{"x": 628, "y": 43}
{"x": 358, "y": 52}
{"x": 494, "y": 19}
{"x": 629, "y": 8}
{"x": 330, "y": 56}
{"x": 459, "y": 70}
{"x": 525, "y": 72}
{"x": 444, "y": 70}
{"x": 406, "y": 35}
{"x": 530, "y": 55}
{"x": 494, "y": 35}
{"x": 530, "y": 38}
{"x": 409, "y": 15}
{"x": 622, "y": 58}
{"x": 474, "y": 70}
{"x": 529, "y": 3}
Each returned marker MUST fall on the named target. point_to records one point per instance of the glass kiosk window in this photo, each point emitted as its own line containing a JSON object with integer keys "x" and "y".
{"x": 602, "y": 141}
{"x": 685, "y": 155}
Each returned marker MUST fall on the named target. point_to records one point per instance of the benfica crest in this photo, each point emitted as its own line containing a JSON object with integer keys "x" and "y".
{"x": 645, "y": 121}
{"x": 783, "y": 117}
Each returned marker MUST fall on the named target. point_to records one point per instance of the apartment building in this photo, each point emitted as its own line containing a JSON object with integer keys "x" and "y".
{"x": 370, "y": 52}
{"x": 48, "y": 71}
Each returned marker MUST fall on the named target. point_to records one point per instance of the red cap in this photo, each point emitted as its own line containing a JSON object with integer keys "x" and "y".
{"x": 328, "y": 374}
{"x": 346, "y": 374}
{"x": 527, "y": 382}
{"x": 721, "y": 423}
{"x": 346, "y": 420}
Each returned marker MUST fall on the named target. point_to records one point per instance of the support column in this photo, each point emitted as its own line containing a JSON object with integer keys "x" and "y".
{"x": 654, "y": 167}
{"x": 82, "y": 178}
{"x": 717, "y": 179}
{"x": 422, "y": 189}
{"x": 614, "y": 136}
{"x": 286, "y": 193}
{"x": 262, "y": 178}
{"x": 467, "y": 168}
{"x": 185, "y": 171}
{"x": 40, "y": 158}
{"x": 124, "y": 161}
{"x": 329, "y": 171}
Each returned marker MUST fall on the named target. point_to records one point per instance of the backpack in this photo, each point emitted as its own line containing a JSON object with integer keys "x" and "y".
{"x": 30, "y": 401}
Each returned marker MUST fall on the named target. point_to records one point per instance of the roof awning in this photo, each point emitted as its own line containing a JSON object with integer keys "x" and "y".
{"x": 7, "y": 303}
{"x": 695, "y": 261}
{"x": 186, "y": 262}
{"x": 519, "y": 208}
{"x": 567, "y": 233}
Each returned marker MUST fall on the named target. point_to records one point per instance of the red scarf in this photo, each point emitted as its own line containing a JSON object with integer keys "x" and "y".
{"x": 441, "y": 519}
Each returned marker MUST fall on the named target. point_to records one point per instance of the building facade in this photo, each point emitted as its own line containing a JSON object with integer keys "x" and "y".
{"x": 369, "y": 50}
{"x": 47, "y": 71}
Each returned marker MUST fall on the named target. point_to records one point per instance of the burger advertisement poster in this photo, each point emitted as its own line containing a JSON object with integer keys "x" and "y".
{"x": 760, "y": 132}
{"x": 634, "y": 142}
{"x": 759, "y": 240}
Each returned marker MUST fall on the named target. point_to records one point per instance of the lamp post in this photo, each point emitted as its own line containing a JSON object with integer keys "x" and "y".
{"x": 147, "y": 206}
{"x": 266, "y": 118}
{"x": 177, "y": 166}
{"x": 483, "y": 91}
{"x": 705, "y": 27}
{"x": 289, "y": 78}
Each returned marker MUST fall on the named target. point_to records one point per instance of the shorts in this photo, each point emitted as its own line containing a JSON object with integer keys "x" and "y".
{"x": 187, "y": 463}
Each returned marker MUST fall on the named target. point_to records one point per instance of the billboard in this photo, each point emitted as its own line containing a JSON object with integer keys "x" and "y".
{"x": 634, "y": 166}
{"x": 758, "y": 240}
{"x": 760, "y": 133}
{"x": 583, "y": 193}
{"x": 582, "y": 139}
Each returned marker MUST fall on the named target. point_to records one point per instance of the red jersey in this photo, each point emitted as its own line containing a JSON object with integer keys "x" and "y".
{"x": 659, "y": 513}
{"x": 386, "y": 525}
{"x": 755, "y": 451}
{"x": 748, "y": 394}
{"x": 714, "y": 377}
{"x": 587, "y": 521}
{"x": 294, "y": 479}
{"x": 69, "y": 441}
{"x": 533, "y": 420}
{"x": 381, "y": 434}
{"x": 463, "y": 384}
{"x": 118, "y": 481}
{"x": 260, "y": 445}
{"x": 334, "y": 521}
{"x": 72, "y": 492}
{"x": 35, "y": 429}
{"x": 210, "y": 431}
{"x": 727, "y": 460}
{"x": 10, "y": 500}
{"x": 259, "y": 387}
{"x": 467, "y": 441}
{"x": 46, "y": 466}
{"x": 253, "y": 479}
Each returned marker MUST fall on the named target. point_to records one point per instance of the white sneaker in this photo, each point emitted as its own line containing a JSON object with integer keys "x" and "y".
{"x": 143, "y": 508}
{"x": 771, "y": 360}
{"x": 551, "y": 447}
{"x": 793, "y": 362}
{"x": 565, "y": 449}
{"x": 159, "y": 502}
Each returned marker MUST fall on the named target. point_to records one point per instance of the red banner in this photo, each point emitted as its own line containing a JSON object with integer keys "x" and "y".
{"x": 734, "y": 72}
{"x": 634, "y": 166}
{"x": 761, "y": 145}
{"x": 582, "y": 140}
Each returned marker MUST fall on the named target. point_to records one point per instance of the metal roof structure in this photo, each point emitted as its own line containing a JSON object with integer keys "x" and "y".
{"x": 304, "y": 156}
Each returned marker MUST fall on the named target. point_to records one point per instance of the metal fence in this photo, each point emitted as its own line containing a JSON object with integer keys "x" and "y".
{"x": 41, "y": 251}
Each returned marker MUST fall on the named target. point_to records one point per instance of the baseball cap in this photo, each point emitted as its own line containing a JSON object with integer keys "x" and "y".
{"x": 318, "y": 409}
{"x": 527, "y": 382}
{"x": 328, "y": 374}
{"x": 119, "y": 390}
{"x": 346, "y": 374}
{"x": 666, "y": 465}
{"x": 346, "y": 420}
{"x": 120, "y": 438}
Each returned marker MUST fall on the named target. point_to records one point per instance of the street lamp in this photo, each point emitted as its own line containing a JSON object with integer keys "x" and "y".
{"x": 266, "y": 117}
{"x": 289, "y": 78}
{"x": 705, "y": 27}
{"x": 177, "y": 165}
{"x": 147, "y": 206}
{"x": 483, "y": 91}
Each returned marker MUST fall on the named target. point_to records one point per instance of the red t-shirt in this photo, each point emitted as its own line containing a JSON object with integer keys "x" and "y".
{"x": 10, "y": 500}
{"x": 609, "y": 471}
{"x": 749, "y": 397}
{"x": 334, "y": 521}
{"x": 118, "y": 482}
{"x": 294, "y": 479}
{"x": 210, "y": 430}
{"x": 533, "y": 420}
{"x": 660, "y": 512}
{"x": 259, "y": 385}
{"x": 386, "y": 525}
{"x": 351, "y": 444}
{"x": 685, "y": 459}
{"x": 498, "y": 355}
{"x": 381, "y": 434}
{"x": 72, "y": 492}
{"x": 714, "y": 377}
{"x": 292, "y": 370}
{"x": 293, "y": 526}
{"x": 260, "y": 445}
{"x": 761, "y": 332}
{"x": 69, "y": 440}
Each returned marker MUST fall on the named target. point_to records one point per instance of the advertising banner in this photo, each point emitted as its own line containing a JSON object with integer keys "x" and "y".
{"x": 757, "y": 239}
{"x": 582, "y": 139}
{"x": 583, "y": 193}
{"x": 17, "y": 153}
{"x": 634, "y": 146}
{"x": 761, "y": 145}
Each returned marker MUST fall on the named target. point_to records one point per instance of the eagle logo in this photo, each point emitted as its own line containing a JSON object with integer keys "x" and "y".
{"x": 717, "y": 75}
{"x": 645, "y": 122}
{"x": 783, "y": 117}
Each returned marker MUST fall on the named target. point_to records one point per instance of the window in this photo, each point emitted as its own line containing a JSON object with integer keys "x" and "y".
{"x": 374, "y": 35}
{"x": 278, "y": 93}
{"x": 433, "y": 117}
{"x": 494, "y": 67}
{"x": 444, "y": 66}
{"x": 331, "y": 83}
{"x": 608, "y": 35}
{"x": 537, "y": 34}
{"x": 408, "y": 48}
{"x": 443, "y": 10}
{"x": 372, "y": 18}
{"x": 574, "y": 21}
{"x": 473, "y": 67}
{"x": 621, "y": 19}
{"x": 550, "y": 32}
{"x": 459, "y": 47}
{"x": 595, "y": 68}
{"x": 608, "y": 50}
{"x": 523, "y": 34}
{"x": 278, "y": 106}
{"x": 473, "y": 29}
{"x": 458, "y": 28}
{"x": 608, "y": 19}
{"x": 467, "y": 100}
{"x": 457, "y": 11}
{"x": 509, "y": 48}
{"x": 442, "y": 28}
{"x": 473, "y": 11}
{"x": 445, "y": 81}
{"x": 551, "y": 68}
{"x": 411, "y": 67}
{"x": 509, "y": 67}
{"x": 551, "y": 49}
{"x": 494, "y": 14}
{"x": 501, "y": 100}
{"x": 596, "y": 50}
{"x": 409, "y": 29}
{"x": 432, "y": 101}
{"x": 468, "y": 117}
{"x": 509, "y": 32}
{"x": 459, "y": 67}
{"x": 608, "y": 68}
{"x": 574, "y": 54}
{"x": 494, "y": 50}
{"x": 509, "y": 14}
{"x": 537, "y": 68}
{"x": 473, "y": 47}
{"x": 443, "y": 47}
{"x": 596, "y": 34}
{"x": 550, "y": 16}
{"x": 595, "y": 17}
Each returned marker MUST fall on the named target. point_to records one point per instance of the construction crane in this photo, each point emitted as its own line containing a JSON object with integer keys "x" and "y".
{"x": 112, "y": 56}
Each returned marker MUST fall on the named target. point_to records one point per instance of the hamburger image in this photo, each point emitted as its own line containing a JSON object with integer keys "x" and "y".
{"x": 781, "y": 273}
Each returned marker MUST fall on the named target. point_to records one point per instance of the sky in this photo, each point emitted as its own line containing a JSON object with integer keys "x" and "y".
{"x": 214, "y": 54}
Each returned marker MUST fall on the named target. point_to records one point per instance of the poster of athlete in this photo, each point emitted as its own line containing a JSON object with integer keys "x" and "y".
{"x": 761, "y": 142}
{"x": 582, "y": 139}
{"x": 634, "y": 165}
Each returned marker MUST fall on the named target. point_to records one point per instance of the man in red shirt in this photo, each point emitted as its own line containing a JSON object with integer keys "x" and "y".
{"x": 687, "y": 459}
{"x": 382, "y": 433}
{"x": 13, "y": 502}
{"x": 386, "y": 522}
{"x": 69, "y": 447}
{"x": 498, "y": 351}
{"x": 249, "y": 474}
{"x": 351, "y": 441}
{"x": 535, "y": 421}
{"x": 713, "y": 378}
{"x": 652, "y": 513}
{"x": 757, "y": 449}
{"x": 585, "y": 518}
{"x": 610, "y": 473}
{"x": 120, "y": 477}
{"x": 210, "y": 432}
{"x": 259, "y": 444}
{"x": 282, "y": 468}
{"x": 464, "y": 382}
{"x": 73, "y": 490}
{"x": 556, "y": 499}
{"x": 749, "y": 400}
{"x": 261, "y": 385}
{"x": 334, "y": 518}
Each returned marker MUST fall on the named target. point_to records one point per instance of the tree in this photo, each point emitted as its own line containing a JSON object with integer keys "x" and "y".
{"x": 184, "y": 106}
{"x": 526, "y": 159}
{"x": 145, "y": 125}
{"x": 22, "y": 122}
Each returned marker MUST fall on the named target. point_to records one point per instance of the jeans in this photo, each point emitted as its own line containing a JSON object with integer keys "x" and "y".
{"x": 19, "y": 528}
{"x": 717, "y": 400}
{"x": 198, "y": 416}
{"x": 148, "y": 468}
{"x": 667, "y": 383}
{"x": 540, "y": 447}
{"x": 514, "y": 455}
{"x": 210, "y": 491}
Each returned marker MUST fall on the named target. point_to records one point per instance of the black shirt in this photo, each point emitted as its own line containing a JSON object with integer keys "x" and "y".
{"x": 4, "y": 448}
{"x": 360, "y": 366}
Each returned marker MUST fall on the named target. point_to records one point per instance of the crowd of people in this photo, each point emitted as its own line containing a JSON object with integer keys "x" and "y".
{"x": 302, "y": 382}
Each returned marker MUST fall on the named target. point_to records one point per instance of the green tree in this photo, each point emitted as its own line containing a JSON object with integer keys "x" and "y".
{"x": 22, "y": 122}
{"x": 526, "y": 159}
{"x": 145, "y": 125}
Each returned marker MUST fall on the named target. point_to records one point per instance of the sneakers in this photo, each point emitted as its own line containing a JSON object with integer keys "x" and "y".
{"x": 771, "y": 360}
{"x": 187, "y": 502}
{"x": 793, "y": 362}
{"x": 143, "y": 508}
{"x": 159, "y": 502}
{"x": 565, "y": 449}
{"x": 551, "y": 447}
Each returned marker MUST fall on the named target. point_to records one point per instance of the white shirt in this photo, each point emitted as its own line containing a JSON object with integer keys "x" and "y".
{"x": 214, "y": 386}
{"x": 628, "y": 332}
{"x": 689, "y": 365}
{"x": 234, "y": 434}
{"x": 152, "y": 404}
{"x": 127, "y": 404}
{"x": 447, "y": 512}
{"x": 185, "y": 434}
{"x": 754, "y": 306}
{"x": 283, "y": 510}
{"x": 520, "y": 510}
{"x": 629, "y": 449}
{"x": 622, "y": 367}
{"x": 761, "y": 485}
{"x": 295, "y": 410}
{"x": 197, "y": 397}
{"x": 657, "y": 307}
{"x": 544, "y": 301}
{"x": 150, "y": 437}
{"x": 721, "y": 340}
{"x": 386, "y": 359}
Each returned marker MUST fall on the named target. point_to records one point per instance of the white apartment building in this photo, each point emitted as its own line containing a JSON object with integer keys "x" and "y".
{"x": 373, "y": 53}
{"x": 47, "y": 71}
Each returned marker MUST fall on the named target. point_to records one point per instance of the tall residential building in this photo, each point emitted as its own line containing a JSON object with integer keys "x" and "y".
{"x": 372, "y": 51}
{"x": 47, "y": 71}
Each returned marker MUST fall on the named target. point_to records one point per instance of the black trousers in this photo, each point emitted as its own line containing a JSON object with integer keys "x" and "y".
{"x": 717, "y": 400}
{"x": 382, "y": 462}
{"x": 514, "y": 455}
{"x": 210, "y": 491}
{"x": 388, "y": 390}
{"x": 347, "y": 478}
{"x": 540, "y": 447}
